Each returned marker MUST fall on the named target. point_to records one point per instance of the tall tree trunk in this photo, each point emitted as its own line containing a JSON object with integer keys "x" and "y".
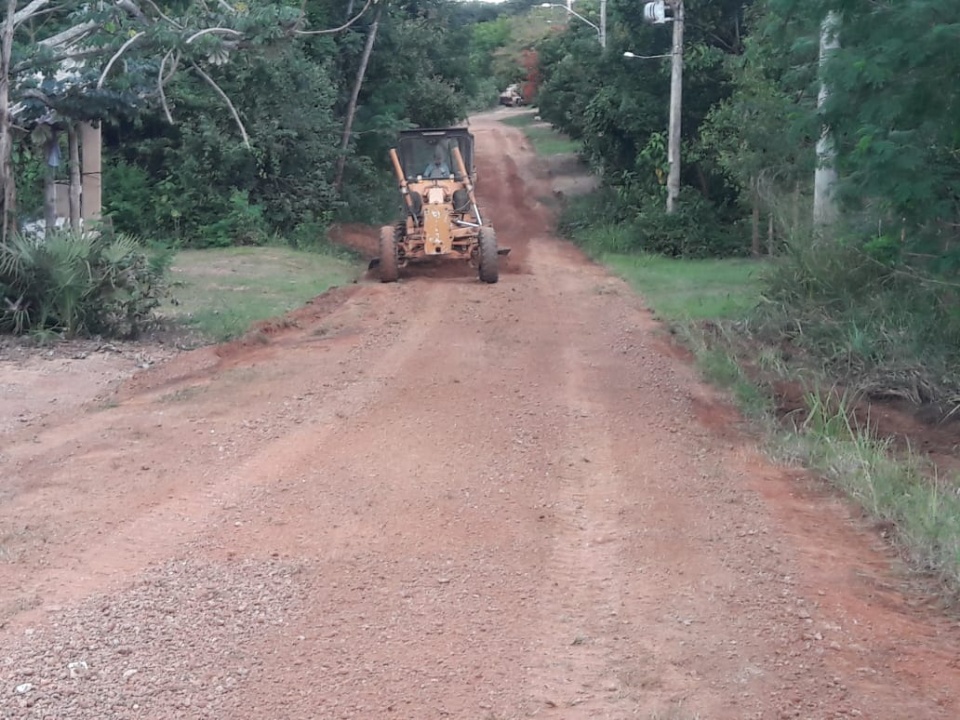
{"x": 74, "y": 144}
{"x": 755, "y": 222}
{"x": 8, "y": 188}
{"x": 352, "y": 106}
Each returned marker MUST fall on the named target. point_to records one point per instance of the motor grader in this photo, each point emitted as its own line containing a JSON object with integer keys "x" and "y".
{"x": 436, "y": 174}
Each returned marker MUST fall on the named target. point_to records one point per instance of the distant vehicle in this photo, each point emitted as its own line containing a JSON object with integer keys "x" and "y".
{"x": 511, "y": 97}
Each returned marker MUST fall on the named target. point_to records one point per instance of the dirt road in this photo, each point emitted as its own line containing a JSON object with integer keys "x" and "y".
{"x": 441, "y": 499}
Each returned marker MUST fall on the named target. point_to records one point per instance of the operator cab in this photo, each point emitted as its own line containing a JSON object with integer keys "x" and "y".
{"x": 427, "y": 154}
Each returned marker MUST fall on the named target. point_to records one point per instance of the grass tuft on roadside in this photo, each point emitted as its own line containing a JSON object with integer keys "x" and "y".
{"x": 916, "y": 508}
{"x": 220, "y": 293}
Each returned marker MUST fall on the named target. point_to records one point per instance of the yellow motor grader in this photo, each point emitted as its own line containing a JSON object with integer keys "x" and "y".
{"x": 436, "y": 173}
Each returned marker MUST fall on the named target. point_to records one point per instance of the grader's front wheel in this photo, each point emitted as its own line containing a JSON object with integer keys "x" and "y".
{"x": 389, "y": 266}
{"x": 489, "y": 259}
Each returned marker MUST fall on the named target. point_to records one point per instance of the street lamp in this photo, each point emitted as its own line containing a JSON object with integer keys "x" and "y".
{"x": 656, "y": 14}
{"x": 601, "y": 30}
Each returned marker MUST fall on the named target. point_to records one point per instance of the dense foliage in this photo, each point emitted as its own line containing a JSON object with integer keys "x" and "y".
{"x": 618, "y": 108}
{"x": 194, "y": 181}
{"x": 876, "y": 295}
{"x": 222, "y": 124}
{"x": 214, "y": 191}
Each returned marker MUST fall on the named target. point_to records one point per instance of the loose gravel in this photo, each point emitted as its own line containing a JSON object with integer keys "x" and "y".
{"x": 175, "y": 644}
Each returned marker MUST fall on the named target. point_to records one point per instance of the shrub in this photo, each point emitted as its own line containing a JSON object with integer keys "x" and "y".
{"x": 90, "y": 283}
{"x": 241, "y": 224}
{"x": 595, "y": 209}
{"x": 892, "y": 330}
{"x": 605, "y": 221}
{"x": 696, "y": 229}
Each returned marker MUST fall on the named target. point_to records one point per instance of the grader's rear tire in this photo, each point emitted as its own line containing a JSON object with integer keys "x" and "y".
{"x": 389, "y": 266}
{"x": 489, "y": 260}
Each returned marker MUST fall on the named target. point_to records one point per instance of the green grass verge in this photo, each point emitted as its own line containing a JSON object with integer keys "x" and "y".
{"x": 685, "y": 290}
{"x": 521, "y": 120}
{"x": 545, "y": 140}
{"x": 220, "y": 293}
{"x": 684, "y": 293}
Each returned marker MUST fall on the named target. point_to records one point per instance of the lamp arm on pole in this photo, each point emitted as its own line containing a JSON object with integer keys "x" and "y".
{"x": 579, "y": 17}
{"x": 629, "y": 54}
{"x": 576, "y": 14}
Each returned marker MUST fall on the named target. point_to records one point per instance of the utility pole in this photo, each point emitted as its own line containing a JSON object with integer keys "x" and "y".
{"x": 354, "y": 96}
{"x": 656, "y": 13}
{"x": 676, "y": 96}
{"x": 825, "y": 176}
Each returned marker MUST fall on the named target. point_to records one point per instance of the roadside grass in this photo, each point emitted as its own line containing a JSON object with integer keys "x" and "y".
{"x": 545, "y": 140}
{"x": 219, "y": 293}
{"x": 521, "y": 120}
{"x": 690, "y": 296}
{"x": 688, "y": 290}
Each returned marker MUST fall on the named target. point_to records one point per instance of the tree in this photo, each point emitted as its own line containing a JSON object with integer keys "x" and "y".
{"x": 893, "y": 111}
{"x": 825, "y": 178}
{"x": 763, "y": 134}
{"x": 37, "y": 39}
{"x": 417, "y": 75}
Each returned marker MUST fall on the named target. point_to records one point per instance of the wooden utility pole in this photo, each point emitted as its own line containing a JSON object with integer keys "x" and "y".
{"x": 352, "y": 106}
{"x": 825, "y": 177}
{"x": 676, "y": 95}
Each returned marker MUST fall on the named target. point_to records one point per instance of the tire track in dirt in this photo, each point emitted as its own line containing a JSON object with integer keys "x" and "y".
{"x": 599, "y": 658}
{"x": 579, "y": 624}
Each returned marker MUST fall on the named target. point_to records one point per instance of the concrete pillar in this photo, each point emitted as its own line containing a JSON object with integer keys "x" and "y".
{"x": 91, "y": 183}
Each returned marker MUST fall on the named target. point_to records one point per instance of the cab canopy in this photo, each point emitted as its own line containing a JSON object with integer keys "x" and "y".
{"x": 417, "y": 149}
